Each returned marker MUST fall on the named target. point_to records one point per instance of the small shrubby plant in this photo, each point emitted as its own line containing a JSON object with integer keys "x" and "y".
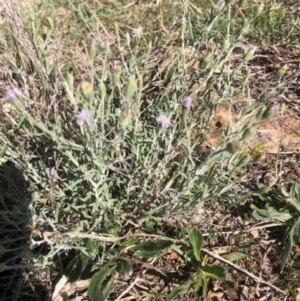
{"x": 114, "y": 138}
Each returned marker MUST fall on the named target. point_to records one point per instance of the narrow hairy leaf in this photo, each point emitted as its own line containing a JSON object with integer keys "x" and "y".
{"x": 293, "y": 236}
{"x": 78, "y": 268}
{"x": 215, "y": 271}
{"x": 124, "y": 267}
{"x": 183, "y": 288}
{"x": 196, "y": 240}
{"x": 261, "y": 214}
{"x": 155, "y": 245}
{"x": 107, "y": 288}
{"x": 232, "y": 256}
{"x": 95, "y": 290}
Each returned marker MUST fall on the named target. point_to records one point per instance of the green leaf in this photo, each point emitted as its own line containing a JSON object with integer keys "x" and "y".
{"x": 131, "y": 87}
{"x": 183, "y": 288}
{"x": 95, "y": 290}
{"x": 143, "y": 254}
{"x": 196, "y": 240}
{"x": 108, "y": 287}
{"x": 215, "y": 271}
{"x": 90, "y": 247}
{"x": 261, "y": 214}
{"x": 296, "y": 272}
{"x": 78, "y": 268}
{"x": 293, "y": 237}
{"x": 169, "y": 75}
{"x": 154, "y": 246}
{"x": 124, "y": 267}
{"x": 294, "y": 195}
{"x": 229, "y": 284}
{"x": 177, "y": 249}
{"x": 131, "y": 242}
{"x": 232, "y": 256}
{"x": 50, "y": 21}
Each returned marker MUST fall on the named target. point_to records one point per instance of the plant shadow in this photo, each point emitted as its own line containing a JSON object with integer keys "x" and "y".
{"x": 15, "y": 221}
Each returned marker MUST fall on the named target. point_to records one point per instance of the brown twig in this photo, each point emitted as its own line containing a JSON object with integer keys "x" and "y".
{"x": 236, "y": 267}
{"x": 110, "y": 238}
{"x": 137, "y": 279}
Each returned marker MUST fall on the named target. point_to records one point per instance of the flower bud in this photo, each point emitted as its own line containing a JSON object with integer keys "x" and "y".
{"x": 260, "y": 112}
{"x": 281, "y": 71}
{"x": 282, "y": 107}
{"x": 248, "y": 55}
{"x": 261, "y": 8}
{"x": 256, "y": 157}
{"x": 268, "y": 113}
{"x": 248, "y": 133}
{"x": 226, "y": 45}
{"x": 126, "y": 118}
{"x": 86, "y": 89}
{"x": 243, "y": 161}
{"x": 93, "y": 50}
{"x": 132, "y": 86}
{"x": 232, "y": 147}
{"x": 207, "y": 59}
{"x": 102, "y": 89}
{"x": 266, "y": 95}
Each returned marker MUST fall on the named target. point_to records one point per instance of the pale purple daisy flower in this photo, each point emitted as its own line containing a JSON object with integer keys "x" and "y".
{"x": 137, "y": 32}
{"x": 12, "y": 94}
{"x": 84, "y": 117}
{"x": 183, "y": 20}
{"x": 187, "y": 101}
{"x": 164, "y": 120}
